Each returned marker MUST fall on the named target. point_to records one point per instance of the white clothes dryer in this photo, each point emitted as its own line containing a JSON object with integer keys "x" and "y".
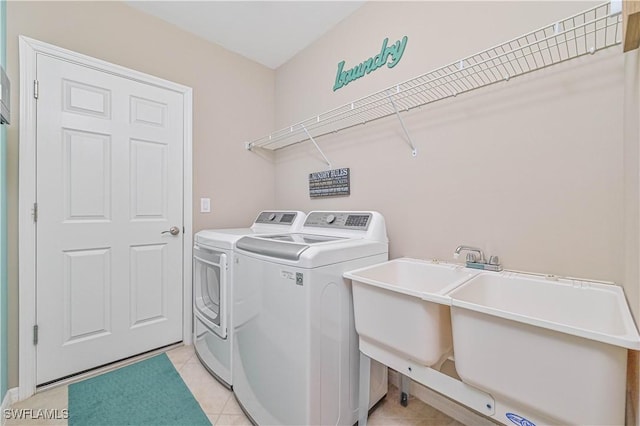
{"x": 295, "y": 349}
{"x": 213, "y": 287}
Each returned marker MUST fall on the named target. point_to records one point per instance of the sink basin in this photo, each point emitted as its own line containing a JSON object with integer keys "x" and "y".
{"x": 401, "y": 306}
{"x": 586, "y": 309}
{"x": 551, "y": 351}
{"x": 427, "y": 280}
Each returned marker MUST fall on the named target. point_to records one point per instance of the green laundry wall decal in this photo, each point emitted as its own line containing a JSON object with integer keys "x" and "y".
{"x": 389, "y": 55}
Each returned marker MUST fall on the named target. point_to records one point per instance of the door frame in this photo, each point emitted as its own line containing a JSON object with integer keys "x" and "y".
{"x": 29, "y": 49}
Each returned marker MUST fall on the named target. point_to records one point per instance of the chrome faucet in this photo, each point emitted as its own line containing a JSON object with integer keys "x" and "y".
{"x": 478, "y": 261}
{"x": 471, "y": 257}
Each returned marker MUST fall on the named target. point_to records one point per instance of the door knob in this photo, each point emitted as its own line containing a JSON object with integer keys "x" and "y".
{"x": 174, "y": 230}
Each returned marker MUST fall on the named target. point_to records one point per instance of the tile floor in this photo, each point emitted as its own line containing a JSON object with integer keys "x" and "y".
{"x": 222, "y": 409}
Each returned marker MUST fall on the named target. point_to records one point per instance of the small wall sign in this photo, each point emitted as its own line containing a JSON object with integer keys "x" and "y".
{"x": 329, "y": 183}
{"x": 394, "y": 51}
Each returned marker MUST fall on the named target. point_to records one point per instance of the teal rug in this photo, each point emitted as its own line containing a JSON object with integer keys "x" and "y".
{"x": 149, "y": 392}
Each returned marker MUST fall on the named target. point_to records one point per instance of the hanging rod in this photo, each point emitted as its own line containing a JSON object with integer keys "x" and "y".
{"x": 584, "y": 33}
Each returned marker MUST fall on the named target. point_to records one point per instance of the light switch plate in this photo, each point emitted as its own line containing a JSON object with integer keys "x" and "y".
{"x": 205, "y": 205}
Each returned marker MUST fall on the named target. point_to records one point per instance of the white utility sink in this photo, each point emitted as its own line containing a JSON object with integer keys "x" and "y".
{"x": 586, "y": 309}
{"x": 427, "y": 280}
{"x": 554, "y": 351}
{"x": 401, "y": 306}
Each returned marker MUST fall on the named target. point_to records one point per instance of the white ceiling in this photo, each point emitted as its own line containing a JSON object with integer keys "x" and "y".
{"x": 269, "y": 32}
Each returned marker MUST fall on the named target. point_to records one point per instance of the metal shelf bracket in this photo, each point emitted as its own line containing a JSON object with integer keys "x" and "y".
{"x": 414, "y": 151}
{"x": 326, "y": 160}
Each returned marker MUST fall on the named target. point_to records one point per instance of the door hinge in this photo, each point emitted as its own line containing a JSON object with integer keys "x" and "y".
{"x": 35, "y": 88}
{"x": 35, "y": 212}
{"x": 35, "y": 334}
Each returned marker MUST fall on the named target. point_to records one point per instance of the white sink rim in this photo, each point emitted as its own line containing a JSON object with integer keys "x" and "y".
{"x": 630, "y": 339}
{"x": 440, "y": 296}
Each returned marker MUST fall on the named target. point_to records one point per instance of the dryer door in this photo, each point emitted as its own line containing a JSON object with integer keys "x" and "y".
{"x": 210, "y": 288}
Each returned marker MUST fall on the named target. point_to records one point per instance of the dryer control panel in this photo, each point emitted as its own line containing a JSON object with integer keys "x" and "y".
{"x": 282, "y": 218}
{"x": 342, "y": 220}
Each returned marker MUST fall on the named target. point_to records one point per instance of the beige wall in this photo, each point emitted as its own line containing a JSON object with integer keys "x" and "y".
{"x": 232, "y": 102}
{"x": 530, "y": 170}
{"x": 632, "y": 208}
{"x": 535, "y": 170}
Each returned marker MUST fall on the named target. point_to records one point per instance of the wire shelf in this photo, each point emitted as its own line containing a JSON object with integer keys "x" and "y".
{"x": 578, "y": 35}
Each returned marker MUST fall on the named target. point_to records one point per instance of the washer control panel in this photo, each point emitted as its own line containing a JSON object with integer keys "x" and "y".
{"x": 342, "y": 220}
{"x": 283, "y": 218}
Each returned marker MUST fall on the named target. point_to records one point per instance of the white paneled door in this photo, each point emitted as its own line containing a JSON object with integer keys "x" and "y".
{"x": 109, "y": 187}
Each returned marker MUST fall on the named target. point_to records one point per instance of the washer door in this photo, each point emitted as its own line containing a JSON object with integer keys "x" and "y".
{"x": 210, "y": 288}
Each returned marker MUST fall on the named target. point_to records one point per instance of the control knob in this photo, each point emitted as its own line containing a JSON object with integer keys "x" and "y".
{"x": 272, "y": 216}
{"x": 331, "y": 218}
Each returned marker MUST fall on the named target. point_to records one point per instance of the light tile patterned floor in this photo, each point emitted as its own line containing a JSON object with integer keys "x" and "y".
{"x": 221, "y": 407}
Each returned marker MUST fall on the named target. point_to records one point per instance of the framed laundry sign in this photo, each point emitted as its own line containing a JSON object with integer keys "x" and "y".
{"x": 329, "y": 183}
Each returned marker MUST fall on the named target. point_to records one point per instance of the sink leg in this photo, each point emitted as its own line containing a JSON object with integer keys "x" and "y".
{"x": 405, "y": 382}
{"x": 365, "y": 373}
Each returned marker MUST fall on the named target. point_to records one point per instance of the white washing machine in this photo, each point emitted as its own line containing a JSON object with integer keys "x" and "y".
{"x": 295, "y": 349}
{"x": 213, "y": 287}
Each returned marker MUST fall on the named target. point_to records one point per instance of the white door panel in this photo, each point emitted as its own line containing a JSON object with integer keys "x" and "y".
{"x": 109, "y": 182}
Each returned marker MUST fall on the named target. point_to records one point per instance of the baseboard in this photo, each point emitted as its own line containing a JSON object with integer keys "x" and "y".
{"x": 441, "y": 403}
{"x": 9, "y": 398}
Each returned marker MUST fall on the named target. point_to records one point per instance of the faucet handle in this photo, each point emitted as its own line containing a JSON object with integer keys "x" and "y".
{"x": 494, "y": 260}
{"x": 471, "y": 258}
